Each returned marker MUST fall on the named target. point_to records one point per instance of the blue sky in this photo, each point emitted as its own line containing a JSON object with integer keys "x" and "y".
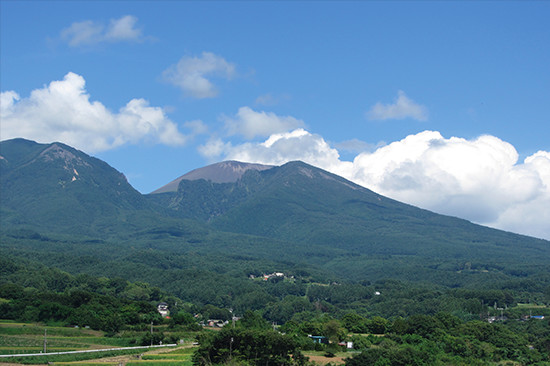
{"x": 443, "y": 105}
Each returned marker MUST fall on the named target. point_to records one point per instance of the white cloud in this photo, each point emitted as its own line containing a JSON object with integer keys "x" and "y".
{"x": 250, "y": 123}
{"x": 190, "y": 74}
{"x": 62, "y": 111}
{"x": 88, "y": 32}
{"x": 82, "y": 33}
{"x": 480, "y": 179}
{"x": 476, "y": 179}
{"x": 402, "y": 108}
{"x": 123, "y": 29}
{"x": 278, "y": 149}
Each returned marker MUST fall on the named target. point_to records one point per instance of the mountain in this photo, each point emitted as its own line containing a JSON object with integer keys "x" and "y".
{"x": 294, "y": 217}
{"x": 302, "y": 204}
{"x": 224, "y": 172}
{"x": 56, "y": 188}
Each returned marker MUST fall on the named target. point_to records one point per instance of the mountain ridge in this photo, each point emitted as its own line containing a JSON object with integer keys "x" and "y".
{"x": 228, "y": 171}
{"x": 56, "y": 186}
{"x": 282, "y": 212}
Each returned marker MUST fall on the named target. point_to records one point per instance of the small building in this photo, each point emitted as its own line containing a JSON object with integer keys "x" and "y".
{"x": 319, "y": 339}
{"x": 348, "y": 345}
{"x": 216, "y": 323}
{"x": 162, "y": 308}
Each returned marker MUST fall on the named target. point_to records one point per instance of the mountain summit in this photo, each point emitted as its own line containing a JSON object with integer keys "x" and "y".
{"x": 58, "y": 188}
{"x": 225, "y": 172}
{"x": 295, "y": 212}
{"x": 299, "y": 203}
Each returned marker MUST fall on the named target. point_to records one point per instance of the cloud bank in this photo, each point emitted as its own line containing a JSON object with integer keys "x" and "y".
{"x": 88, "y": 32}
{"x": 481, "y": 179}
{"x": 191, "y": 74}
{"x": 402, "y": 108}
{"x": 251, "y": 124}
{"x": 62, "y": 111}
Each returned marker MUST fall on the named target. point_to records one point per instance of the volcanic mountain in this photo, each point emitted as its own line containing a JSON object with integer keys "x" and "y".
{"x": 299, "y": 203}
{"x": 295, "y": 213}
{"x": 225, "y": 172}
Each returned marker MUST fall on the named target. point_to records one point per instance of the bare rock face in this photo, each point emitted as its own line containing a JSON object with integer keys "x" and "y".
{"x": 224, "y": 172}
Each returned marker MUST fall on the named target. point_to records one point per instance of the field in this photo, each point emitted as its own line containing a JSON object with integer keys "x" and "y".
{"x": 27, "y": 338}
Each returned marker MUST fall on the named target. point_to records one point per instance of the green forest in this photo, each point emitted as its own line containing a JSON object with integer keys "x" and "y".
{"x": 389, "y": 322}
{"x": 287, "y": 266}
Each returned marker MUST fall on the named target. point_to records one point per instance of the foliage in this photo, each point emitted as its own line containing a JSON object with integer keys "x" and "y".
{"x": 253, "y": 346}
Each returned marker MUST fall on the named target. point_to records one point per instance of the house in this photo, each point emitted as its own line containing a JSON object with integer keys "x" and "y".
{"x": 216, "y": 323}
{"x": 319, "y": 339}
{"x": 348, "y": 345}
{"x": 162, "y": 308}
{"x": 274, "y": 275}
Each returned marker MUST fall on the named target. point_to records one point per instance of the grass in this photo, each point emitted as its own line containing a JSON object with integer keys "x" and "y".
{"x": 68, "y": 358}
{"x": 12, "y": 328}
{"x": 531, "y": 306}
{"x": 102, "y": 363}
{"x": 319, "y": 357}
{"x": 160, "y": 363}
{"x": 16, "y": 338}
{"x": 179, "y": 356}
{"x": 29, "y": 338}
{"x": 23, "y": 338}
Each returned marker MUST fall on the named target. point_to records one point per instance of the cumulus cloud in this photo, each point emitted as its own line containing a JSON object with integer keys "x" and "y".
{"x": 479, "y": 179}
{"x": 476, "y": 179}
{"x": 402, "y": 108}
{"x": 250, "y": 123}
{"x": 192, "y": 74}
{"x": 278, "y": 149}
{"x": 89, "y": 32}
{"x": 62, "y": 111}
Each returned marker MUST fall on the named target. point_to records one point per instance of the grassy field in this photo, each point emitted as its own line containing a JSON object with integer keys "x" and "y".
{"x": 23, "y": 338}
{"x": 18, "y": 338}
{"x": 320, "y": 359}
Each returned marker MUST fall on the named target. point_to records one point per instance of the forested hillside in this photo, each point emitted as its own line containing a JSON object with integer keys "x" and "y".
{"x": 293, "y": 246}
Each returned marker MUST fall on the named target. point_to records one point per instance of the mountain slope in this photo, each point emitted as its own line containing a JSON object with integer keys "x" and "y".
{"x": 223, "y": 172}
{"x": 61, "y": 189}
{"x": 303, "y": 204}
{"x": 293, "y": 216}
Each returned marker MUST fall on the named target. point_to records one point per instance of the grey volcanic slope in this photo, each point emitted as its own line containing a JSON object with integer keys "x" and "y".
{"x": 225, "y": 172}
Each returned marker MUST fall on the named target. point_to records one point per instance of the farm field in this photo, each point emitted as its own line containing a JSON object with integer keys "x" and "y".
{"x": 28, "y": 338}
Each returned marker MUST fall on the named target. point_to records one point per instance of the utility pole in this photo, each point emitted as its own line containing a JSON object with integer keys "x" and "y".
{"x": 45, "y": 330}
{"x": 151, "y": 333}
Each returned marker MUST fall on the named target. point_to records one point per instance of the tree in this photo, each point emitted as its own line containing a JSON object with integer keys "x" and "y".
{"x": 377, "y": 325}
{"x": 257, "y": 347}
{"x": 333, "y": 331}
{"x": 253, "y": 320}
{"x": 355, "y": 323}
